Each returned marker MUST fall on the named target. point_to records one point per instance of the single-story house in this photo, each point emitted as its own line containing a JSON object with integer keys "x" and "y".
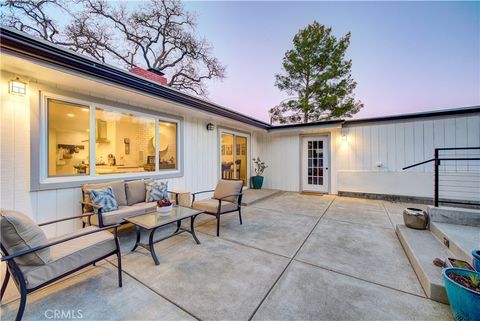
{"x": 67, "y": 119}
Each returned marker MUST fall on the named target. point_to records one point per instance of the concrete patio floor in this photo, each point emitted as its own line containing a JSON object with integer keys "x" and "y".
{"x": 296, "y": 257}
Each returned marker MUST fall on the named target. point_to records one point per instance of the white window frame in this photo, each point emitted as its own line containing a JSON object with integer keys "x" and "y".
{"x": 64, "y": 181}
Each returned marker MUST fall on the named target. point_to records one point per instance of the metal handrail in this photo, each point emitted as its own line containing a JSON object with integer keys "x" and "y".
{"x": 437, "y": 160}
{"x": 441, "y": 159}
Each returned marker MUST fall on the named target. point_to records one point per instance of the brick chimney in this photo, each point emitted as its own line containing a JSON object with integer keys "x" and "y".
{"x": 152, "y": 74}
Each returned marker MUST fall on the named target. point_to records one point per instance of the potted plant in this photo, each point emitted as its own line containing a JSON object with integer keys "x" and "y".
{"x": 476, "y": 259}
{"x": 463, "y": 291}
{"x": 257, "y": 180}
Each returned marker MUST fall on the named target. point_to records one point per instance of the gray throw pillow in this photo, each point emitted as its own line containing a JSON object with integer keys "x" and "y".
{"x": 18, "y": 233}
{"x": 135, "y": 191}
{"x": 156, "y": 191}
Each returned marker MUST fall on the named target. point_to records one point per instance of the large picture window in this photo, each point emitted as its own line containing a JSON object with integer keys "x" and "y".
{"x": 124, "y": 143}
{"x": 90, "y": 140}
{"x": 68, "y": 138}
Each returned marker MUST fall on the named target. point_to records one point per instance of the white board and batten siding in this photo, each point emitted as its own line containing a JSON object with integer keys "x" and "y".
{"x": 201, "y": 167}
{"x": 377, "y": 152}
{"x": 374, "y": 153}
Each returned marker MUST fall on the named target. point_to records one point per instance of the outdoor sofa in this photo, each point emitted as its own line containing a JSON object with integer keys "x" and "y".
{"x": 131, "y": 199}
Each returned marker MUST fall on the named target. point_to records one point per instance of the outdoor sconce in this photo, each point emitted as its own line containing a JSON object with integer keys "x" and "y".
{"x": 210, "y": 126}
{"x": 344, "y": 134}
{"x": 17, "y": 87}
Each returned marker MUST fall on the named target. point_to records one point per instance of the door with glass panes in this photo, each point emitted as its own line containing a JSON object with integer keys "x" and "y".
{"x": 315, "y": 164}
{"x": 234, "y": 156}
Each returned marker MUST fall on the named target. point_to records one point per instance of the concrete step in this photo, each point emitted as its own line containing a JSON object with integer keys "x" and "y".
{"x": 422, "y": 247}
{"x": 461, "y": 240}
{"x": 454, "y": 215}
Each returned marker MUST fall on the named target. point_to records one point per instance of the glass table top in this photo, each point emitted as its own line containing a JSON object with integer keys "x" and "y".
{"x": 155, "y": 219}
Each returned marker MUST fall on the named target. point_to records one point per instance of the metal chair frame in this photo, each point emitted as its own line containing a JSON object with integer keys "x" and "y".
{"x": 219, "y": 212}
{"x": 14, "y": 270}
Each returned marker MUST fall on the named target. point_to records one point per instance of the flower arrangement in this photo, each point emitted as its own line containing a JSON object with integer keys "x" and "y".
{"x": 259, "y": 166}
{"x": 164, "y": 206}
{"x": 164, "y": 203}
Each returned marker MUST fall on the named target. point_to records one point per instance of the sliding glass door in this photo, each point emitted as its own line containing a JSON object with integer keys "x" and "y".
{"x": 234, "y": 156}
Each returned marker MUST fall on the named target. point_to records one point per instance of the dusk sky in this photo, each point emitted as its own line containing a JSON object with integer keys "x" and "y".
{"x": 407, "y": 56}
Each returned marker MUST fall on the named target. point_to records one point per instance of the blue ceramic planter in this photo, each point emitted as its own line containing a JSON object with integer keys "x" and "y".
{"x": 257, "y": 182}
{"x": 476, "y": 260}
{"x": 465, "y": 303}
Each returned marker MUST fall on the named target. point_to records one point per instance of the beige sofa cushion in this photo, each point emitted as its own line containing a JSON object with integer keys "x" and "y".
{"x": 136, "y": 191}
{"x": 228, "y": 187}
{"x": 211, "y": 206}
{"x": 146, "y": 207}
{"x": 117, "y": 216}
{"x": 118, "y": 188}
{"x": 70, "y": 255}
{"x": 19, "y": 232}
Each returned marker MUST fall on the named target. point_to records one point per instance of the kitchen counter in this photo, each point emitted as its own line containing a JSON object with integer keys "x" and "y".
{"x": 105, "y": 169}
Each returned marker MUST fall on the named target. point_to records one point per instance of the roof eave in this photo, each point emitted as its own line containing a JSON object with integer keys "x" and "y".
{"x": 25, "y": 45}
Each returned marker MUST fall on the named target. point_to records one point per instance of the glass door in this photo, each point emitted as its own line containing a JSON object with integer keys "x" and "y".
{"x": 315, "y": 164}
{"x": 241, "y": 159}
{"x": 227, "y": 156}
{"x": 234, "y": 157}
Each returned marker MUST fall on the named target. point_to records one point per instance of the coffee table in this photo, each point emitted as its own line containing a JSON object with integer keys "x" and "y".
{"x": 153, "y": 220}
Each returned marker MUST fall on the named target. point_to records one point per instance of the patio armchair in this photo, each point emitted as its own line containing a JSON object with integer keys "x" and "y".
{"x": 34, "y": 261}
{"x": 227, "y": 198}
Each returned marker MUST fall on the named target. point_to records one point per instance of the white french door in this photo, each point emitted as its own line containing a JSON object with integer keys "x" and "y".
{"x": 315, "y": 165}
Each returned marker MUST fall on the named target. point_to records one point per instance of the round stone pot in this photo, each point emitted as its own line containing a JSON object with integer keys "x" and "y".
{"x": 415, "y": 218}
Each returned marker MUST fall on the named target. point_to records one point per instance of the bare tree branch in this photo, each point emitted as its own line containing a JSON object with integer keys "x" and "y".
{"x": 159, "y": 34}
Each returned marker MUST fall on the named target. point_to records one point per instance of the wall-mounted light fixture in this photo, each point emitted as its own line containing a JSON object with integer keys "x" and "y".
{"x": 344, "y": 134}
{"x": 17, "y": 87}
{"x": 210, "y": 126}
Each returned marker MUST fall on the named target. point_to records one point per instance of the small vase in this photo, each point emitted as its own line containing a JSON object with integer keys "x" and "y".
{"x": 257, "y": 182}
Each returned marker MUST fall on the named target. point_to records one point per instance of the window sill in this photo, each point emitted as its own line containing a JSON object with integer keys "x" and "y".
{"x": 77, "y": 181}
